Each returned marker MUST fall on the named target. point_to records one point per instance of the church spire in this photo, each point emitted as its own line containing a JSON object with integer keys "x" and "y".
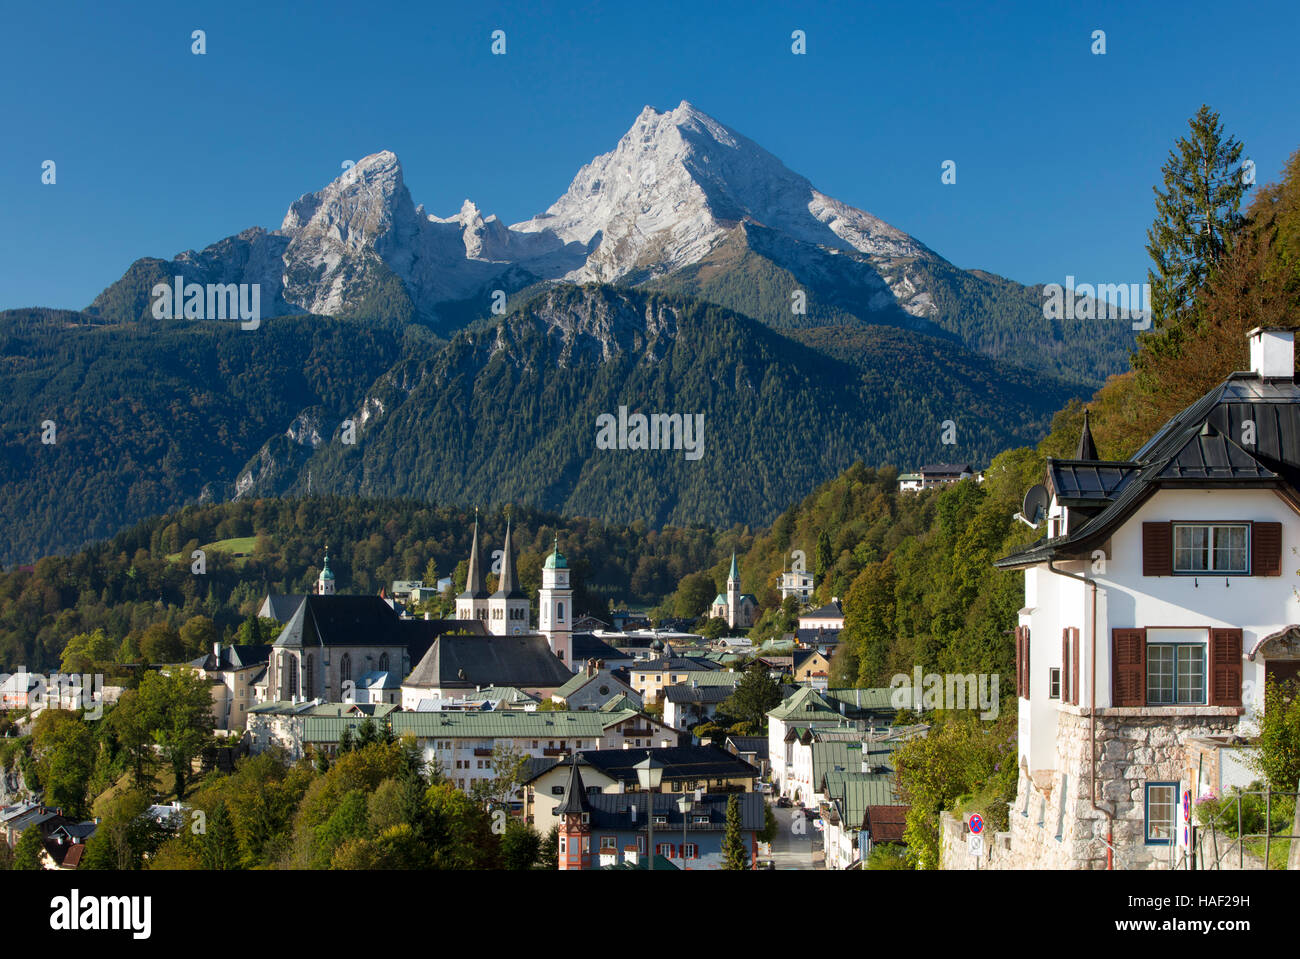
{"x": 735, "y": 570}
{"x": 474, "y": 588}
{"x": 508, "y": 588}
{"x": 1087, "y": 448}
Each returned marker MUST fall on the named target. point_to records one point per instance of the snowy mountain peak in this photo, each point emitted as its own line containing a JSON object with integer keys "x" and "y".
{"x": 678, "y": 182}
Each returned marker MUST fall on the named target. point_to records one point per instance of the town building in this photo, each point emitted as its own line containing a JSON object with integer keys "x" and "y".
{"x": 458, "y": 665}
{"x": 740, "y": 610}
{"x": 603, "y": 830}
{"x": 233, "y": 672}
{"x": 687, "y": 704}
{"x": 686, "y": 770}
{"x": 1159, "y": 604}
{"x": 594, "y": 685}
{"x": 797, "y": 583}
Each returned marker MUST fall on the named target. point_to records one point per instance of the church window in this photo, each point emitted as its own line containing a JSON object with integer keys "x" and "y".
{"x": 345, "y": 668}
{"x": 559, "y": 612}
{"x": 309, "y": 678}
{"x": 383, "y": 662}
{"x": 291, "y": 667}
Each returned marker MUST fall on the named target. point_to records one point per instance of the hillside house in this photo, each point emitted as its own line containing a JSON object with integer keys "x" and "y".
{"x": 1160, "y": 602}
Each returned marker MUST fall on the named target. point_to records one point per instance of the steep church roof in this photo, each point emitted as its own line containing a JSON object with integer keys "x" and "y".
{"x": 468, "y": 661}
{"x": 474, "y": 586}
{"x": 509, "y": 586}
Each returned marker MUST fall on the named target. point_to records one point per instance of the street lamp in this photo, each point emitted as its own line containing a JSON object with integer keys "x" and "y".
{"x": 649, "y": 773}
{"x": 685, "y": 804}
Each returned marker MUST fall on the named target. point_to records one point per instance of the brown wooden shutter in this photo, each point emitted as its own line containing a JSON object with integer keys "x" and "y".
{"x": 1065, "y": 665}
{"x": 1266, "y": 549}
{"x": 1157, "y": 549}
{"x": 1074, "y": 666}
{"x": 1128, "y": 662}
{"x": 1225, "y": 667}
{"x": 1029, "y": 676}
{"x": 1020, "y": 661}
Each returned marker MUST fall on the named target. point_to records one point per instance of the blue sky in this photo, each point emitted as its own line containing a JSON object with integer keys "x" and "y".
{"x": 159, "y": 150}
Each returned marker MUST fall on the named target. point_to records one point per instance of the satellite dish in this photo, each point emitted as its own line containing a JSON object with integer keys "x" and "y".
{"x": 1036, "y": 503}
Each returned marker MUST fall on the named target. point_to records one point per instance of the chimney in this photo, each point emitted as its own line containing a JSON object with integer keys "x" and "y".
{"x": 1272, "y": 353}
{"x": 216, "y": 653}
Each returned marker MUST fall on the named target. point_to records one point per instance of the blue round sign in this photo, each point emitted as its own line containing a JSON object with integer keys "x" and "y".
{"x": 976, "y": 823}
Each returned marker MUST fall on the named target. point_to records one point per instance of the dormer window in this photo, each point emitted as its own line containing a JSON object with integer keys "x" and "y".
{"x": 1211, "y": 548}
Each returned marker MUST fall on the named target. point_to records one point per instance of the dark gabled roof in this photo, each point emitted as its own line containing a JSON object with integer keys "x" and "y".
{"x": 1075, "y": 482}
{"x": 468, "y": 661}
{"x": 586, "y": 646}
{"x": 281, "y": 608}
{"x": 575, "y": 793}
{"x": 800, "y": 656}
{"x": 613, "y": 811}
{"x": 833, "y": 608}
{"x": 750, "y": 744}
{"x": 1196, "y": 447}
{"x": 686, "y": 693}
{"x": 946, "y": 469}
{"x": 679, "y": 762}
{"x": 821, "y": 636}
{"x": 234, "y": 657}
{"x": 342, "y": 621}
{"x": 1209, "y": 455}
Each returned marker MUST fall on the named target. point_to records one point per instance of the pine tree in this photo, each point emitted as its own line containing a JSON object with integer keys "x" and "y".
{"x": 27, "y": 851}
{"x": 735, "y": 855}
{"x": 1196, "y": 212}
{"x": 220, "y": 849}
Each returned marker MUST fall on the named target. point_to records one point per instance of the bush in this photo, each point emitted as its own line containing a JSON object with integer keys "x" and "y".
{"x": 887, "y": 855}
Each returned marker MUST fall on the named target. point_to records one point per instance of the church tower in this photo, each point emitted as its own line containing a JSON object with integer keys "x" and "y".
{"x": 733, "y": 593}
{"x": 555, "y": 606}
{"x": 508, "y": 606}
{"x": 325, "y": 584}
{"x": 473, "y": 603}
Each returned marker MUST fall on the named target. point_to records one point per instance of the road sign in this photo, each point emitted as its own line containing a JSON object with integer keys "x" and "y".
{"x": 976, "y": 824}
{"x": 977, "y": 845}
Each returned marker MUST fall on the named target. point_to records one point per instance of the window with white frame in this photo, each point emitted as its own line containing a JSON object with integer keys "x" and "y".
{"x": 1161, "y": 808}
{"x": 1175, "y": 667}
{"x": 1211, "y": 548}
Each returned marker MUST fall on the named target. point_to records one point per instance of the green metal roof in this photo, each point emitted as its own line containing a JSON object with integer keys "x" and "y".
{"x": 805, "y": 705}
{"x": 851, "y": 793}
{"x": 503, "y": 724}
{"x": 555, "y": 560}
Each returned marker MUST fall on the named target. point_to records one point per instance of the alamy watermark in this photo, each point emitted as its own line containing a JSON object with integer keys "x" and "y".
{"x": 658, "y": 431}
{"x": 212, "y": 301}
{"x": 946, "y": 691}
{"x": 1105, "y": 301}
{"x": 24, "y": 690}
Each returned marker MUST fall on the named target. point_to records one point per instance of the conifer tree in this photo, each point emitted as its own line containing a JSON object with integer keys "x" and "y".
{"x": 734, "y": 854}
{"x": 1196, "y": 213}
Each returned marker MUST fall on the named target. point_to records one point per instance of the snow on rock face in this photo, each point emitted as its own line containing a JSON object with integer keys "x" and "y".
{"x": 674, "y": 186}
{"x": 677, "y": 182}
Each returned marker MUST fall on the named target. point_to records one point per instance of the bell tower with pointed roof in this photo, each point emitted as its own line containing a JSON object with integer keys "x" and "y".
{"x": 473, "y": 602}
{"x": 325, "y": 584}
{"x": 555, "y": 605}
{"x": 574, "y": 813}
{"x": 508, "y": 607}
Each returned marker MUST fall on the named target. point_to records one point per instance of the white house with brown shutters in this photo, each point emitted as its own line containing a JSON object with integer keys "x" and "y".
{"x": 1162, "y": 599}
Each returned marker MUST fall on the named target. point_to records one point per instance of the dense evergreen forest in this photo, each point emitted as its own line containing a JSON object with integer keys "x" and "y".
{"x": 142, "y": 577}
